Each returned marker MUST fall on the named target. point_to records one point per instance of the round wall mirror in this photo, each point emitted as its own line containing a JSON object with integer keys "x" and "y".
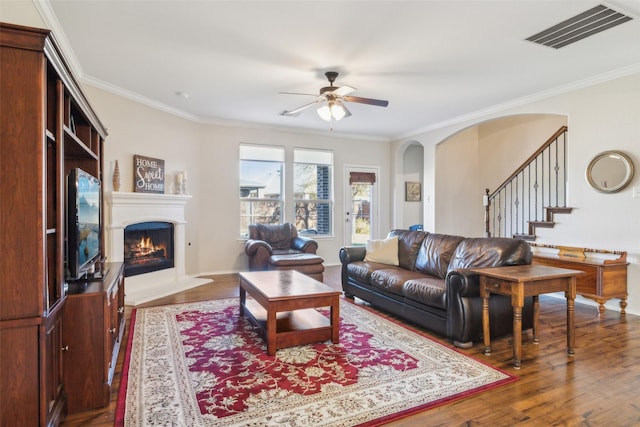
{"x": 610, "y": 172}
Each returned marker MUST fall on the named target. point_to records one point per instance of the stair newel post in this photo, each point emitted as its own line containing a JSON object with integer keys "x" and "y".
{"x": 486, "y": 203}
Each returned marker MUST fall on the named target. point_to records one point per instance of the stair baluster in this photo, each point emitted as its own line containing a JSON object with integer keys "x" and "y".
{"x": 531, "y": 196}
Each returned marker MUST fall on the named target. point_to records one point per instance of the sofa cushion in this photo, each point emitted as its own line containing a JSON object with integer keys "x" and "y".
{"x": 428, "y": 290}
{"x": 295, "y": 259}
{"x": 383, "y": 251}
{"x": 361, "y": 270}
{"x": 392, "y": 279}
{"x": 490, "y": 252}
{"x": 278, "y": 235}
{"x": 435, "y": 254}
{"x": 408, "y": 246}
{"x": 282, "y": 252}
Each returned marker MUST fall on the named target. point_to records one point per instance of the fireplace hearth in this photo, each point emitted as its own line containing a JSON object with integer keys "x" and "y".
{"x": 148, "y": 246}
{"x": 126, "y": 209}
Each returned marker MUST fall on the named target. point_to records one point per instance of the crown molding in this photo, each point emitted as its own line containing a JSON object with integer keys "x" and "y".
{"x": 560, "y": 90}
{"x": 51, "y": 21}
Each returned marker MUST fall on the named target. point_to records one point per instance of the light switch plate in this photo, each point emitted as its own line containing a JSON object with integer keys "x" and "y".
{"x": 636, "y": 191}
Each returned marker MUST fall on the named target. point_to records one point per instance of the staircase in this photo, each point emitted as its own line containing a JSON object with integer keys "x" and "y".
{"x": 533, "y": 194}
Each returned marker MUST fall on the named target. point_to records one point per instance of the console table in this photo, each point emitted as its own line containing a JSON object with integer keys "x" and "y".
{"x": 604, "y": 278}
{"x": 518, "y": 282}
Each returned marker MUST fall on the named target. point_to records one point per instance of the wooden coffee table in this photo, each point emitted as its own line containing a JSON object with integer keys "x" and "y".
{"x": 283, "y": 307}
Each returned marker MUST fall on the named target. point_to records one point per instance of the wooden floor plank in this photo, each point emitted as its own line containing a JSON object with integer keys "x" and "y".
{"x": 596, "y": 387}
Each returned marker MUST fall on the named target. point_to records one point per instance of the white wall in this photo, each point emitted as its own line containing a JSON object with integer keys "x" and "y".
{"x": 601, "y": 117}
{"x": 20, "y": 12}
{"x": 413, "y": 171}
{"x": 458, "y": 164}
{"x": 210, "y": 155}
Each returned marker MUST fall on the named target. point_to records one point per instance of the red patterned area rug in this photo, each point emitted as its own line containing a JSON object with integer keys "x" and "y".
{"x": 200, "y": 364}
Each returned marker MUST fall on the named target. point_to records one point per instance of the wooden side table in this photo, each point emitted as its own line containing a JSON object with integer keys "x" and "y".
{"x": 521, "y": 281}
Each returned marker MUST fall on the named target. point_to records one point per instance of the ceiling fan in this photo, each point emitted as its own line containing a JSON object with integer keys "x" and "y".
{"x": 332, "y": 99}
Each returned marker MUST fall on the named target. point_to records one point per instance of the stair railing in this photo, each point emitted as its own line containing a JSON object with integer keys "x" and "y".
{"x": 530, "y": 195}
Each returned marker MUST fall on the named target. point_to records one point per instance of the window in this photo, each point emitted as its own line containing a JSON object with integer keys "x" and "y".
{"x": 261, "y": 186}
{"x": 313, "y": 190}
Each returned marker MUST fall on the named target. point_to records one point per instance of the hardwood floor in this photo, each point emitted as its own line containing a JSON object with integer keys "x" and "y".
{"x": 597, "y": 387}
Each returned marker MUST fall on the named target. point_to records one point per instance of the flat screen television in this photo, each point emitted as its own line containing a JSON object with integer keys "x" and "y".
{"x": 83, "y": 222}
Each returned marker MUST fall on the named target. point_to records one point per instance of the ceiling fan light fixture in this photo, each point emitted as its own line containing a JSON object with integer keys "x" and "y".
{"x": 337, "y": 111}
{"x": 325, "y": 112}
{"x": 332, "y": 110}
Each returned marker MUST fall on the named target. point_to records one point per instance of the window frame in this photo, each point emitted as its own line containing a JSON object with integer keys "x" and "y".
{"x": 328, "y": 201}
{"x": 269, "y": 154}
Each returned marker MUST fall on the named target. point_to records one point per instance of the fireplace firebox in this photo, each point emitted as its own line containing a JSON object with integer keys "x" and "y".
{"x": 148, "y": 246}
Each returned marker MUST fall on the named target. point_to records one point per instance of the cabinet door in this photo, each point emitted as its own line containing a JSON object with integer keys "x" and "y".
{"x": 112, "y": 335}
{"x": 117, "y": 311}
{"x": 52, "y": 369}
{"x": 83, "y": 363}
{"x": 19, "y": 393}
{"x": 121, "y": 307}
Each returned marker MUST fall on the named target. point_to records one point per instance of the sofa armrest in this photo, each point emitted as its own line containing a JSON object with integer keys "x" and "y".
{"x": 258, "y": 252}
{"x": 304, "y": 244}
{"x": 464, "y": 322}
{"x": 350, "y": 254}
{"x": 462, "y": 283}
{"x": 252, "y": 246}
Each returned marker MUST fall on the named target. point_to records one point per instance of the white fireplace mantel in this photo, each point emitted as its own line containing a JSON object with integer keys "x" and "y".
{"x": 123, "y": 209}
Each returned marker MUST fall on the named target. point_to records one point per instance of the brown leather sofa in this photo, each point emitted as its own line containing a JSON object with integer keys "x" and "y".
{"x": 432, "y": 286}
{"x": 279, "y": 247}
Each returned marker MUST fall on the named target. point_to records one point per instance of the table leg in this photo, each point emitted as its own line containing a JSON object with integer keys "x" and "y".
{"x": 335, "y": 321}
{"x": 517, "y": 335}
{"x": 271, "y": 330}
{"x": 570, "y": 326}
{"x": 536, "y": 317}
{"x": 485, "y": 318}
{"x": 601, "y": 308}
{"x": 243, "y": 300}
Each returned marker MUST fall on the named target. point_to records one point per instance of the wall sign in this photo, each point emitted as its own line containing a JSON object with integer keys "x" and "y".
{"x": 148, "y": 174}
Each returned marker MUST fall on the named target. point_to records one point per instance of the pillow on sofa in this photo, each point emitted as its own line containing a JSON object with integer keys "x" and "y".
{"x": 384, "y": 251}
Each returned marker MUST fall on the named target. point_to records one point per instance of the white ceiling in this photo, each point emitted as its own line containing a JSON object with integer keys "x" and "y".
{"x": 435, "y": 61}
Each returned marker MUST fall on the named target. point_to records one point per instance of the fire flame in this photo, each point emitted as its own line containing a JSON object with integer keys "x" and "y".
{"x": 146, "y": 246}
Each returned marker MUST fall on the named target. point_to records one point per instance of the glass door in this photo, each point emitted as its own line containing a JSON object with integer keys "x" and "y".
{"x": 360, "y": 203}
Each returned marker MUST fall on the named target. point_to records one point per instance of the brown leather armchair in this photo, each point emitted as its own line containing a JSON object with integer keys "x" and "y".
{"x": 279, "y": 247}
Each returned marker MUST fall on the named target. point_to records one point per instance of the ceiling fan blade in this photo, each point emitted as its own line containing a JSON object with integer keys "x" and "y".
{"x": 369, "y": 101}
{"x": 347, "y": 113}
{"x": 343, "y": 90}
{"x": 297, "y": 93}
{"x": 296, "y": 111}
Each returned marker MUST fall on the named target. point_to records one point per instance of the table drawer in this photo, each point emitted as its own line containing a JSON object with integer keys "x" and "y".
{"x": 497, "y": 286}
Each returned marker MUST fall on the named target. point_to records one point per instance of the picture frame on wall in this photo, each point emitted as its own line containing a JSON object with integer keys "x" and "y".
{"x": 413, "y": 191}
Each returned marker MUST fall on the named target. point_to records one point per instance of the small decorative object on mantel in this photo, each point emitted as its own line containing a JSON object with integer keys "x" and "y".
{"x": 413, "y": 192}
{"x": 116, "y": 177}
{"x": 181, "y": 179}
{"x": 148, "y": 174}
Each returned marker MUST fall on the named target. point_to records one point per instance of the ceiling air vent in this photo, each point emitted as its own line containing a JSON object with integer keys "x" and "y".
{"x": 586, "y": 24}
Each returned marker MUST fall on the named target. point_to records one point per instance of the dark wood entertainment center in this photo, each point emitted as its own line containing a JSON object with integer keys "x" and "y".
{"x": 59, "y": 339}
